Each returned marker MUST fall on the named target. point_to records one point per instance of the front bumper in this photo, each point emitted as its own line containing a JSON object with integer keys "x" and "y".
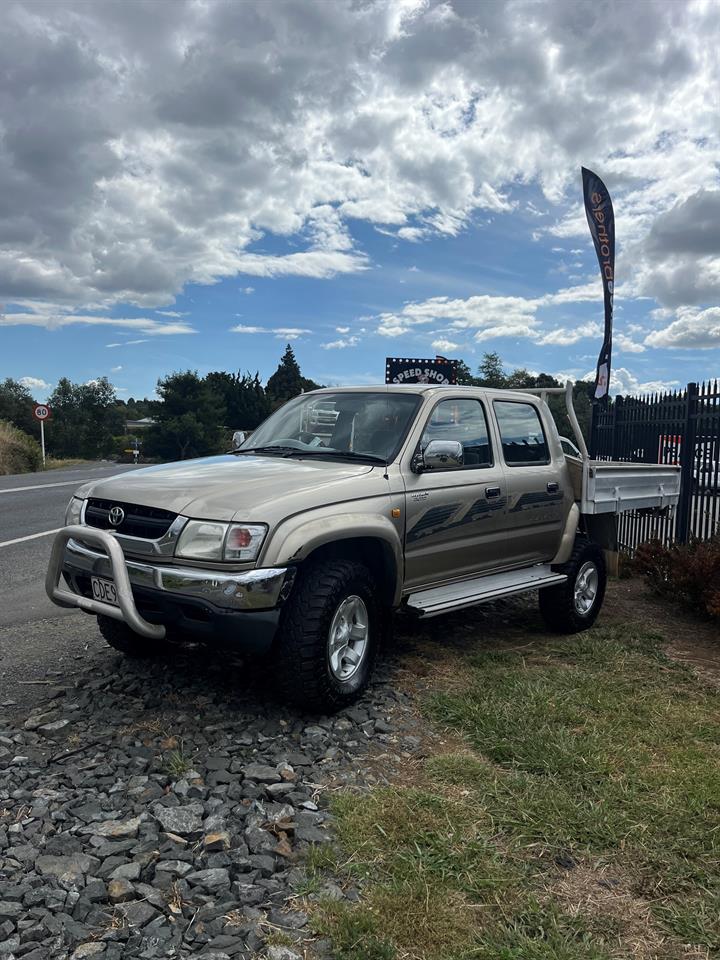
{"x": 242, "y": 608}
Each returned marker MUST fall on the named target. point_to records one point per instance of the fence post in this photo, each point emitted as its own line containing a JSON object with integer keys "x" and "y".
{"x": 593, "y": 445}
{"x": 687, "y": 462}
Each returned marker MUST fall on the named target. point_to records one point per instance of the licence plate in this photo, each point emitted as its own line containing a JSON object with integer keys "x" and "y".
{"x": 104, "y": 590}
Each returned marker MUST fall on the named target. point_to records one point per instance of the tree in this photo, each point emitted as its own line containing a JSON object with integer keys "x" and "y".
{"x": 190, "y": 418}
{"x": 287, "y": 381}
{"x": 85, "y": 418}
{"x": 16, "y": 406}
{"x": 491, "y": 373}
{"x": 243, "y": 396}
{"x": 464, "y": 375}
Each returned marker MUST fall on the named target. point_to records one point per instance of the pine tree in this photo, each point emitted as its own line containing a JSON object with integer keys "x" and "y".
{"x": 287, "y": 381}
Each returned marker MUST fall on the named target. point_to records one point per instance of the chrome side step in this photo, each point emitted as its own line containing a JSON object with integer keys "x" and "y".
{"x": 468, "y": 593}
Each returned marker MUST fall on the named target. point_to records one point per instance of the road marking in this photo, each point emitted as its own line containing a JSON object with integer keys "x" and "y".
{"x": 32, "y": 536}
{"x": 44, "y": 486}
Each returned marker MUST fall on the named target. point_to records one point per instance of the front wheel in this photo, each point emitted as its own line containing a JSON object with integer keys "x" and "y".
{"x": 574, "y": 605}
{"x": 329, "y": 635}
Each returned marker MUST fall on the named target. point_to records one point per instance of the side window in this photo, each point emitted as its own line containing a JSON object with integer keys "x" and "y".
{"x": 462, "y": 420}
{"x": 521, "y": 432}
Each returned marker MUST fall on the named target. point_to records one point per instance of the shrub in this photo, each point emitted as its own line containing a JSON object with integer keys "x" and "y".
{"x": 689, "y": 573}
{"x": 19, "y": 453}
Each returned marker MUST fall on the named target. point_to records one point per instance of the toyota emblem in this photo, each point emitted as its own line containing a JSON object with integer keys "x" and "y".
{"x": 117, "y": 515}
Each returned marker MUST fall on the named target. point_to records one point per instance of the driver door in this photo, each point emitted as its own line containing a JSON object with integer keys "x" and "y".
{"x": 455, "y": 517}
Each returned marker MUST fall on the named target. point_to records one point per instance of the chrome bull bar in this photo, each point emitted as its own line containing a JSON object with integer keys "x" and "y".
{"x": 126, "y": 611}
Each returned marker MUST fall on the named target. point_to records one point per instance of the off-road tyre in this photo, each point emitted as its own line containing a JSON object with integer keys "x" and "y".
{"x": 302, "y": 654}
{"x": 559, "y": 606}
{"x": 121, "y": 638}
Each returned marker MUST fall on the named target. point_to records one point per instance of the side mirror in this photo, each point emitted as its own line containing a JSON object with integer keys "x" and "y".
{"x": 439, "y": 455}
{"x": 238, "y": 439}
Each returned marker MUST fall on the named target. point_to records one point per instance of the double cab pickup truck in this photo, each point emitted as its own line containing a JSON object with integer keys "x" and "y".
{"x": 343, "y": 507}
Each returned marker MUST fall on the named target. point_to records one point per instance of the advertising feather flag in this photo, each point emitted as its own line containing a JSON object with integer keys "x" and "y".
{"x": 601, "y": 220}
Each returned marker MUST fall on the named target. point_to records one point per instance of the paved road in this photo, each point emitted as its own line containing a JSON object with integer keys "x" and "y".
{"x": 37, "y": 639}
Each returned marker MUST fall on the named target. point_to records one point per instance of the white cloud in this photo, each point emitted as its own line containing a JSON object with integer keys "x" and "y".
{"x": 563, "y": 336}
{"x": 625, "y": 344}
{"x": 287, "y": 333}
{"x": 148, "y": 326}
{"x": 248, "y": 290}
{"x": 487, "y": 316}
{"x": 341, "y": 344}
{"x": 35, "y": 383}
{"x": 444, "y": 346}
{"x": 693, "y": 329}
{"x": 244, "y": 328}
{"x": 290, "y": 331}
{"x": 134, "y": 161}
{"x": 622, "y": 381}
{"x": 127, "y": 343}
{"x": 116, "y": 369}
{"x": 342, "y": 329}
{"x": 172, "y": 313}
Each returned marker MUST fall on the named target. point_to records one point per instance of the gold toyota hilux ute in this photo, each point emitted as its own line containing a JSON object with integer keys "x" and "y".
{"x": 344, "y": 506}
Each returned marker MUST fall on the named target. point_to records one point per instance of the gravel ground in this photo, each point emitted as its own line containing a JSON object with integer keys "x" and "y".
{"x": 163, "y": 809}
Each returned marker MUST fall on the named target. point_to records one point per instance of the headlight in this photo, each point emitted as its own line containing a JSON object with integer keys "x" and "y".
{"x": 201, "y": 540}
{"x": 73, "y": 511}
{"x": 207, "y": 540}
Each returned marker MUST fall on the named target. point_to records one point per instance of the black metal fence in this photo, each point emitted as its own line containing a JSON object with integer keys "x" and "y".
{"x": 680, "y": 427}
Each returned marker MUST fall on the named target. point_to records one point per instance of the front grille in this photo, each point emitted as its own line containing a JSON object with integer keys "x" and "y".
{"x": 149, "y": 523}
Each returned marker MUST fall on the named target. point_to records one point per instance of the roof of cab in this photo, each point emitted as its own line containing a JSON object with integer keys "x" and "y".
{"x": 429, "y": 388}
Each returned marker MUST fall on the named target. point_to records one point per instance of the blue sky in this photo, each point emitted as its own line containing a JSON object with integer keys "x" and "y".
{"x": 198, "y": 187}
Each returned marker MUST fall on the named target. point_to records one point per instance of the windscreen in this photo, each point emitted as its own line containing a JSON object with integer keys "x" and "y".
{"x": 372, "y": 424}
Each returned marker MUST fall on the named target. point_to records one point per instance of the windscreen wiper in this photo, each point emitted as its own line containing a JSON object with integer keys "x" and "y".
{"x": 342, "y": 454}
{"x": 279, "y": 449}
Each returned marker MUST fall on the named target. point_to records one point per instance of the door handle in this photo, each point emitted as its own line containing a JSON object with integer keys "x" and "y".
{"x": 492, "y": 492}
{"x": 553, "y": 486}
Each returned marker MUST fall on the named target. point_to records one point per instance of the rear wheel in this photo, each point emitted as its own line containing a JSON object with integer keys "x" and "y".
{"x": 120, "y": 637}
{"x": 574, "y": 605}
{"x": 329, "y": 635}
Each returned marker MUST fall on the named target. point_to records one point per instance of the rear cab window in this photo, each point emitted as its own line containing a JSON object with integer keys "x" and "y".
{"x": 463, "y": 420}
{"x": 521, "y": 432}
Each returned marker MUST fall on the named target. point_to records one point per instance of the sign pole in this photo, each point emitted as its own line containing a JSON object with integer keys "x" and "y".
{"x": 41, "y": 412}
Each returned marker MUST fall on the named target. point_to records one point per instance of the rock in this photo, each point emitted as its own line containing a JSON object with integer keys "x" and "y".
{"x": 173, "y": 868}
{"x": 180, "y": 820}
{"x": 261, "y": 772}
{"x": 86, "y": 950}
{"x": 213, "y": 879}
{"x": 282, "y": 953}
{"x": 126, "y": 871}
{"x": 116, "y": 829}
{"x": 291, "y": 919}
{"x": 95, "y": 891}
{"x": 54, "y": 730}
{"x": 137, "y": 912}
{"x": 312, "y": 834}
{"x": 286, "y": 772}
{"x": 69, "y": 869}
{"x": 120, "y": 890}
{"x": 220, "y": 840}
{"x": 259, "y": 840}
{"x": 38, "y": 719}
{"x": 9, "y": 909}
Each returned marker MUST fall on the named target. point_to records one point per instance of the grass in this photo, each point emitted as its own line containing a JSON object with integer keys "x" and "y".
{"x": 594, "y": 751}
{"x": 177, "y": 762}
